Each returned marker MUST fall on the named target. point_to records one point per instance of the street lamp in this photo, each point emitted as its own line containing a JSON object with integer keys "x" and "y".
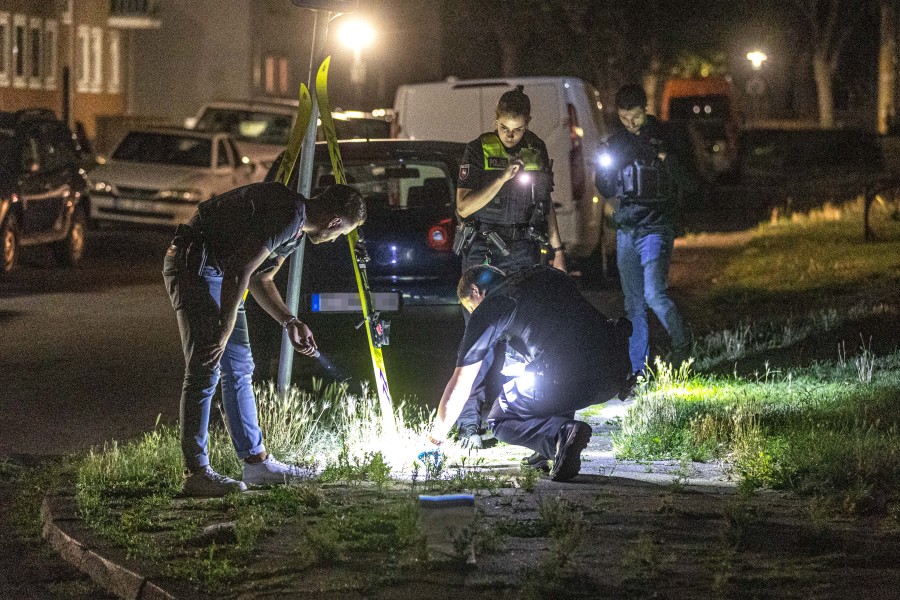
{"x": 356, "y": 35}
{"x": 757, "y": 58}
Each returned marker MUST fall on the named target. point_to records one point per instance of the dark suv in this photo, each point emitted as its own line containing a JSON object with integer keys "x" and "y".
{"x": 43, "y": 191}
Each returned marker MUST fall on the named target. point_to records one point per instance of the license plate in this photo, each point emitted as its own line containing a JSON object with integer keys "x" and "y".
{"x": 347, "y": 302}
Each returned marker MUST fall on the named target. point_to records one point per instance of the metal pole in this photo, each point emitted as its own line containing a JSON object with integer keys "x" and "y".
{"x": 304, "y": 186}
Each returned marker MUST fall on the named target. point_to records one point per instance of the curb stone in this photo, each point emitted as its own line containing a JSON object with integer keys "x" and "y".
{"x": 60, "y": 524}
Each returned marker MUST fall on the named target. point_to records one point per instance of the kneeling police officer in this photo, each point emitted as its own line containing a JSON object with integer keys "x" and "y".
{"x": 562, "y": 355}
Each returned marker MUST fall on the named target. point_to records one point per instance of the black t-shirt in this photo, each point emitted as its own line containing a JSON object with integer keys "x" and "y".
{"x": 543, "y": 316}
{"x": 268, "y": 213}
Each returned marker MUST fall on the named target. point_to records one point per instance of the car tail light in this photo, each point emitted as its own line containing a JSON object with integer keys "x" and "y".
{"x": 440, "y": 236}
{"x": 576, "y": 156}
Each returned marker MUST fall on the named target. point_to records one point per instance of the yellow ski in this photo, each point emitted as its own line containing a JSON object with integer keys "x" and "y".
{"x": 375, "y": 327}
{"x": 295, "y": 141}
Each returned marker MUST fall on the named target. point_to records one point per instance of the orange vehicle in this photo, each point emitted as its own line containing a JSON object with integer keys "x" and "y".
{"x": 707, "y": 109}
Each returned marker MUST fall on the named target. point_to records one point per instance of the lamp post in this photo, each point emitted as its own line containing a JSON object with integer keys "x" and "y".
{"x": 357, "y": 35}
{"x": 756, "y": 85}
{"x": 757, "y": 58}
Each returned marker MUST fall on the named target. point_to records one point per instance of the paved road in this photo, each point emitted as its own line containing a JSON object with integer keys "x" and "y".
{"x": 92, "y": 354}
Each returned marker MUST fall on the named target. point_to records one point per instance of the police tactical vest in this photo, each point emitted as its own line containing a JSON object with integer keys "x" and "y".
{"x": 513, "y": 205}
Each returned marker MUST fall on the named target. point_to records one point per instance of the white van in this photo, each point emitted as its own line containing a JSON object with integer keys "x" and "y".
{"x": 566, "y": 113}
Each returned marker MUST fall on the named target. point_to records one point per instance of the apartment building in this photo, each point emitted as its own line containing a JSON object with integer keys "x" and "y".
{"x": 69, "y": 56}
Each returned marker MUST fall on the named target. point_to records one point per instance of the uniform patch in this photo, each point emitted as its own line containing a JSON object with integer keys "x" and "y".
{"x": 497, "y": 162}
{"x": 464, "y": 171}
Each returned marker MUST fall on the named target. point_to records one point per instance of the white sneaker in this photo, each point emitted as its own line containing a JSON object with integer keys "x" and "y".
{"x": 273, "y": 470}
{"x": 206, "y": 483}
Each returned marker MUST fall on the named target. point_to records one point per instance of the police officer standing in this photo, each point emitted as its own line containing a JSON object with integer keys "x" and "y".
{"x": 642, "y": 169}
{"x": 507, "y": 217}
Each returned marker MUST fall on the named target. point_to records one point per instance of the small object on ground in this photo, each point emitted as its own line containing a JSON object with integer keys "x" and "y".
{"x": 447, "y": 523}
{"x": 573, "y": 438}
{"x": 217, "y": 533}
{"x": 206, "y": 483}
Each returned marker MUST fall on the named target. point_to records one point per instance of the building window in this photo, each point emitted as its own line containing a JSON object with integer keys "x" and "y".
{"x": 35, "y": 55}
{"x": 83, "y": 65}
{"x": 276, "y": 75}
{"x": 115, "y": 62}
{"x": 67, "y": 13}
{"x": 4, "y": 49}
{"x": 270, "y": 74}
{"x": 51, "y": 54}
{"x": 257, "y": 72}
{"x": 19, "y": 51}
{"x": 96, "y": 59}
{"x": 283, "y": 75}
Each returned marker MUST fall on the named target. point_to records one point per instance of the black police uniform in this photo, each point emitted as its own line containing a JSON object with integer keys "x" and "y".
{"x": 578, "y": 357}
{"x": 650, "y": 192}
{"x": 509, "y": 213}
{"x": 509, "y": 216}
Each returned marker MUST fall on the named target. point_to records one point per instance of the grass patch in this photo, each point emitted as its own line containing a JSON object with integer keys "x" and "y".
{"x": 827, "y": 428}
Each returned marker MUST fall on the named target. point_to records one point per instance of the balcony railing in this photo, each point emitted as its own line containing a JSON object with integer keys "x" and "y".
{"x": 134, "y": 14}
{"x": 145, "y": 8}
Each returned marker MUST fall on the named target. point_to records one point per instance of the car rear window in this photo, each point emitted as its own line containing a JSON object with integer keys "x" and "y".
{"x": 247, "y": 125}
{"x": 395, "y": 185}
{"x": 164, "y": 148}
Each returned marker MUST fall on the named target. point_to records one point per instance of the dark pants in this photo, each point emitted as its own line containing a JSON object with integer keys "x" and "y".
{"x": 195, "y": 295}
{"x": 522, "y": 420}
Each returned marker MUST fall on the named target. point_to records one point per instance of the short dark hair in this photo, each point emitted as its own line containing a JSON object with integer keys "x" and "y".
{"x": 484, "y": 277}
{"x": 342, "y": 201}
{"x": 514, "y": 102}
{"x": 631, "y": 96}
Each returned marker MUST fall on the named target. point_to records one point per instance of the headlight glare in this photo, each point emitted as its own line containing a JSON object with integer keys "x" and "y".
{"x": 103, "y": 187}
{"x": 189, "y": 195}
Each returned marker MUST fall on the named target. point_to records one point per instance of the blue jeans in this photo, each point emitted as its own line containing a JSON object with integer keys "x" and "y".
{"x": 643, "y": 260}
{"x": 195, "y": 296}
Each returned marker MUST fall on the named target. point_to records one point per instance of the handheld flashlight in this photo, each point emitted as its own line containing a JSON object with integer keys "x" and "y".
{"x": 524, "y": 177}
{"x": 605, "y": 160}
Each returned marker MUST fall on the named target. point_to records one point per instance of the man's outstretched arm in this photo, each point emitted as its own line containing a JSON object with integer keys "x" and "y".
{"x": 457, "y": 391}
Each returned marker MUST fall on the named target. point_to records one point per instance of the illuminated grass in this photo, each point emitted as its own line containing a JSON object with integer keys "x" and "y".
{"x": 827, "y": 428}
{"x": 824, "y": 250}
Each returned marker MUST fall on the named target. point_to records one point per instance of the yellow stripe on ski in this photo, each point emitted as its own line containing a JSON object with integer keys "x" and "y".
{"x": 295, "y": 141}
{"x": 389, "y": 427}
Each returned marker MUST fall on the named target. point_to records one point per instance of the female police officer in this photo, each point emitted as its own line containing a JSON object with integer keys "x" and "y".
{"x": 504, "y": 179}
{"x": 503, "y": 201}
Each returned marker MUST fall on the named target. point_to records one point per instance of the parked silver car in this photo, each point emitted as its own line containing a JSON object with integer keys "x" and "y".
{"x": 158, "y": 176}
{"x": 261, "y": 127}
